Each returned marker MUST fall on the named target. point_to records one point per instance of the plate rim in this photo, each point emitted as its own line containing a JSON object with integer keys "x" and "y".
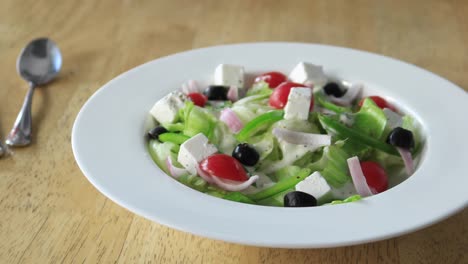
{"x": 291, "y": 245}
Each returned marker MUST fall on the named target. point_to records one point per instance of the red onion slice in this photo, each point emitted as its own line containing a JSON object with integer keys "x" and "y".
{"x": 190, "y": 86}
{"x": 230, "y": 118}
{"x": 234, "y": 186}
{"x": 301, "y": 138}
{"x": 204, "y": 176}
{"x": 233, "y": 93}
{"x": 351, "y": 94}
{"x": 175, "y": 171}
{"x": 360, "y": 182}
{"x": 407, "y": 159}
{"x": 309, "y": 84}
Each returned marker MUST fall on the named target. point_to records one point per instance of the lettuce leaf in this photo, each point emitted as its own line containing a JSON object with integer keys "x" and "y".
{"x": 159, "y": 152}
{"x": 260, "y": 88}
{"x": 370, "y": 120}
{"x": 198, "y": 120}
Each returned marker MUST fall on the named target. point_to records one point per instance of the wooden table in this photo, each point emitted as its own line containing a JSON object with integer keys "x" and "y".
{"x": 49, "y": 212}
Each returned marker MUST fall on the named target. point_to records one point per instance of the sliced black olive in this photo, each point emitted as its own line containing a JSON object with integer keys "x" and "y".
{"x": 216, "y": 92}
{"x": 246, "y": 154}
{"x": 155, "y": 132}
{"x": 334, "y": 89}
{"x": 299, "y": 199}
{"x": 400, "y": 137}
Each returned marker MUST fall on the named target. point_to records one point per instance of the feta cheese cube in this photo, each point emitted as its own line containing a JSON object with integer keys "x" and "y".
{"x": 165, "y": 110}
{"x": 194, "y": 151}
{"x": 298, "y": 103}
{"x": 316, "y": 186}
{"x": 229, "y": 75}
{"x": 393, "y": 119}
{"x": 307, "y": 73}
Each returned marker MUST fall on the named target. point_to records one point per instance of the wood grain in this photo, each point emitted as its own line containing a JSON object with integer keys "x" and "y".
{"x": 51, "y": 214}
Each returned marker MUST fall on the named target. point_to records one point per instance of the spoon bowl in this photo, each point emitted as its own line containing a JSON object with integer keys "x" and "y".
{"x": 38, "y": 63}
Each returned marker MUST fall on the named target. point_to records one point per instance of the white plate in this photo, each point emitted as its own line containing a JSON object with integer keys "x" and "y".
{"x": 108, "y": 145}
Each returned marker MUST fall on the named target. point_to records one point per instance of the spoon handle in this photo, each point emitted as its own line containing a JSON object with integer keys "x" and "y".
{"x": 20, "y": 135}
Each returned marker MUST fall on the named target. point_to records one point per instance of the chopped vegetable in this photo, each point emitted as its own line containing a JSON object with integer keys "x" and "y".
{"x": 350, "y": 199}
{"x": 273, "y": 79}
{"x": 173, "y": 138}
{"x": 259, "y": 123}
{"x": 234, "y": 186}
{"x": 267, "y": 145}
{"x": 407, "y": 159}
{"x": 230, "y": 118}
{"x": 283, "y": 185}
{"x": 335, "y": 127}
{"x": 359, "y": 180}
{"x": 301, "y": 138}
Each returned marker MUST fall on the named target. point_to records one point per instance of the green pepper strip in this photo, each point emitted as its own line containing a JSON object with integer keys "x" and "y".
{"x": 238, "y": 197}
{"x": 173, "y": 137}
{"x": 331, "y": 106}
{"x": 345, "y": 132}
{"x": 281, "y": 186}
{"x": 258, "y": 123}
{"x": 177, "y": 127}
{"x": 348, "y": 200}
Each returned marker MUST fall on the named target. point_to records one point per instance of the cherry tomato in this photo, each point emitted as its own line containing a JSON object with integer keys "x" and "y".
{"x": 272, "y": 78}
{"x": 279, "y": 97}
{"x": 379, "y": 101}
{"x": 198, "y": 99}
{"x": 376, "y": 176}
{"x": 224, "y": 166}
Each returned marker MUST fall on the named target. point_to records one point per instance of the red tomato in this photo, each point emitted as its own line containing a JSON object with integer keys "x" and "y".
{"x": 198, "y": 99}
{"x": 376, "y": 176}
{"x": 379, "y": 101}
{"x": 224, "y": 166}
{"x": 272, "y": 78}
{"x": 279, "y": 97}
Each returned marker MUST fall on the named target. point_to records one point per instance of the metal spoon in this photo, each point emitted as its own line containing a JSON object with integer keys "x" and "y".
{"x": 38, "y": 63}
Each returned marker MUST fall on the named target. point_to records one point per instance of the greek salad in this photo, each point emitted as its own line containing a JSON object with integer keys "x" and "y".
{"x": 300, "y": 140}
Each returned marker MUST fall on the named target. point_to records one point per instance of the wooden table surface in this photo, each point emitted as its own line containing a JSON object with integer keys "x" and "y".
{"x": 49, "y": 212}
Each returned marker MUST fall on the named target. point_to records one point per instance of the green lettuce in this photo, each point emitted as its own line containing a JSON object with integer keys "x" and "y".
{"x": 198, "y": 120}
{"x": 159, "y": 152}
{"x": 260, "y": 88}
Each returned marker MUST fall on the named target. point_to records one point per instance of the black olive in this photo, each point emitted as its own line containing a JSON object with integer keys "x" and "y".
{"x": 246, "y": 155}
{"x": 299, "y": 199}
{"x": 334, "y": 89}
{"x": 400, "y": 137}
{"x": 216, "y": 92}
{"x": 155, "y": 132}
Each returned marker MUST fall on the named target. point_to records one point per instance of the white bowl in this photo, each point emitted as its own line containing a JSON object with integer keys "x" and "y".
{"x": 109, "y": 147}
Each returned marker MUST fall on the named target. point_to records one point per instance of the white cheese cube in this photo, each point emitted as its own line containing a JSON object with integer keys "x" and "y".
{"x": 308, "y": 73}
{"x": 165, "y": 110}
{"x": 195, "y": 150}
{"x": 229, "y": 75}
{"x": 315, "y": 185}
{"x": 393, "y": 119}
{"x": 298, "y": 104}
